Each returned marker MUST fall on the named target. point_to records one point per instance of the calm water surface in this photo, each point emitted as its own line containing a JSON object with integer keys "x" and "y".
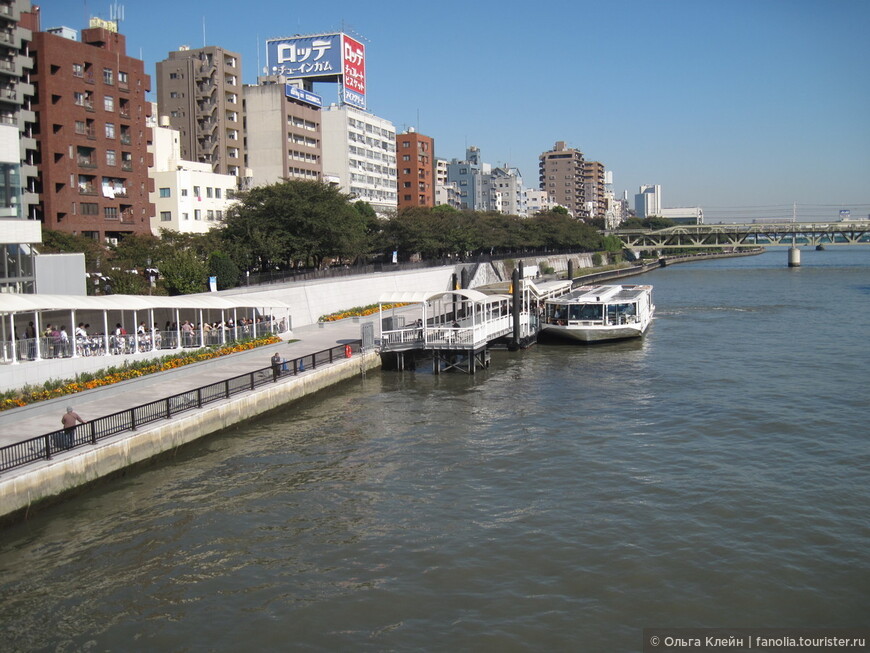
{"x": 716, "y": 473}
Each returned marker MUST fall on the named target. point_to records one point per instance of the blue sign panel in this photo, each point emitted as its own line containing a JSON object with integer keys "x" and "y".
{"x": 305, "y": 56}
{"x": 302, "y": 95}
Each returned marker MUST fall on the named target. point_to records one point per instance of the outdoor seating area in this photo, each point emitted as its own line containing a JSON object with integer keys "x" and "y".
{"x": 34, "y": 327}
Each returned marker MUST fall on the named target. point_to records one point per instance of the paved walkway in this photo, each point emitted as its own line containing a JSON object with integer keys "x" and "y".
{"x": 43, "y": 417}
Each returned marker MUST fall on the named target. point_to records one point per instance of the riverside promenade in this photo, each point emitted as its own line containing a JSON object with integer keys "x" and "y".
{"x": 24, "y": 486}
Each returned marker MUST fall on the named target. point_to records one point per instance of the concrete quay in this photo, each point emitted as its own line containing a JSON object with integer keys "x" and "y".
{"x": 26, "y": 486}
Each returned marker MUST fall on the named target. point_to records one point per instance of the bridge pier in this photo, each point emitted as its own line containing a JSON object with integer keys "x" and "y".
{"x": 794, "y": 257}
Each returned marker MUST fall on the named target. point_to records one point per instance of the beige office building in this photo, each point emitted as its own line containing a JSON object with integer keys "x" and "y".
{"x": 200, "y": 90}
{"x": 561, "y": 175}
{"x": 282, "y": 125}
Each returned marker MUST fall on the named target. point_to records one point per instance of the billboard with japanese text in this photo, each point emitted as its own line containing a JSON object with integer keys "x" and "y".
{"x": 354, "y": 79}
{"x": 324, "y": 58}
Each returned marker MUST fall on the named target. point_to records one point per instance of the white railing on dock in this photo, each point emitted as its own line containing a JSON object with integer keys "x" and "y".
{"x": 447, "y": 337}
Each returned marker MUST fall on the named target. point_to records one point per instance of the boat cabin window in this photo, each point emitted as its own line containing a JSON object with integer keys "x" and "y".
{"x": 589, "y": 311}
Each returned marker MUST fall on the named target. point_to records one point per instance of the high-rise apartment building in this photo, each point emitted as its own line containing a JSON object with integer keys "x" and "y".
{"x": 561, "y": 175}
{"x": 593, "y": 180}
{"x": 200, "y": 90}
{"x": 415, "y": 154}
{"x": 282, "y": 131}
{"x": 359, "y": 152}
{"x": 93, "y": 137}
{"x": 19, "y": 226}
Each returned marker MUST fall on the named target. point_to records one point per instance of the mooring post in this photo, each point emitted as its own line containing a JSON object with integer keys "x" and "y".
{"x": 515, "y": 282}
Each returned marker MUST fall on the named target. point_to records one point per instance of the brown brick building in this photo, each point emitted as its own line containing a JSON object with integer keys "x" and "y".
{"x": 415, "y": 177}
{"x": 92, "y": 135}
{"x": 561, "y": 175}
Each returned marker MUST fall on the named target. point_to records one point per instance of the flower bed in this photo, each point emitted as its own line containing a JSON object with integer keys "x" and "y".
{"x": 89, "y": 381}
{"x": 357, "y": 311}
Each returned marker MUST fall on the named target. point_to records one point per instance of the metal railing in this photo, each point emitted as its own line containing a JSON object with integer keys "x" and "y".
{"x": 44, "y": 446}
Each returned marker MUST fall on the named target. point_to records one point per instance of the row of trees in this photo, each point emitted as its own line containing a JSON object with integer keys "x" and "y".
{"x": 300, "y": 224}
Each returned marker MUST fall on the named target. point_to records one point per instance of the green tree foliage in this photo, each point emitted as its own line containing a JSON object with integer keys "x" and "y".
{"x": 183, "y": 272}
{"x": 227, "y": 273}
{"x": 559, "y": 209}
{"x": 60, "y": 242}
{"x": 291, "y": 223}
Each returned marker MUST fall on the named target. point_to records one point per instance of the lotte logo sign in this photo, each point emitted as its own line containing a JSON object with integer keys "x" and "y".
{"x": 325, "y": 58}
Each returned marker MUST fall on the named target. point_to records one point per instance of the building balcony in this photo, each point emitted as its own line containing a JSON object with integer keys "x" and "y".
{"x": 124, "y": 113}
{"x": 87, "y": 189}
{"x": 125, "y": 139}
{"x": 86, "y": 162}
{"x": 127, "y": 166}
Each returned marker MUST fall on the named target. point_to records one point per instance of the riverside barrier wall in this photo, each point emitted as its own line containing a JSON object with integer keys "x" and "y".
{"x": 46, "y": 481}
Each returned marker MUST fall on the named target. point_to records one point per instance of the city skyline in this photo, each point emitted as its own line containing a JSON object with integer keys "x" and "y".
{"x": 700, "y": 98}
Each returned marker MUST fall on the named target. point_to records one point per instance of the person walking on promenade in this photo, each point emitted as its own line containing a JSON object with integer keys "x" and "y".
{"x": 276, "y": 366}
{"x": 69, "y": 426}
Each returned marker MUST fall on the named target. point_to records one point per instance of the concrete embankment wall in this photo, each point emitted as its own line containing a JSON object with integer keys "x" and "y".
{"x": 27, "y": 486}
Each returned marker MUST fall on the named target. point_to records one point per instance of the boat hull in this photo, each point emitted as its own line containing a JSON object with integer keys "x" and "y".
{"x": 595, "y": 333}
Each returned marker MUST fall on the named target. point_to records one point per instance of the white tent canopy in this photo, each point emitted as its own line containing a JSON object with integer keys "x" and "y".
{"x": 20, "y": 303}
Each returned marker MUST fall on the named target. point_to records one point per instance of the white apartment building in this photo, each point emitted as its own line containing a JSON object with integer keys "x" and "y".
{"x": 188, "y": 197}
{"x": 359, "y": 149}
{"x": 538, "y": 201}
{"x": 508, "y": 183}
{"x": 648, "y": 202}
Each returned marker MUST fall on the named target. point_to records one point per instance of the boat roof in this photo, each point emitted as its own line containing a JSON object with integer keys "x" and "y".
{"x": 603, "y": 294}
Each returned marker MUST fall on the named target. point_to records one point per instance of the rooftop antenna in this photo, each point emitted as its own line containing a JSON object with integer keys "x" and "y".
{"x": 203, "y": 31}
{"x": 116, "y": 13}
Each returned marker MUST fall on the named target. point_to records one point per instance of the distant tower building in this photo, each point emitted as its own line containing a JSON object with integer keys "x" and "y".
{"x": 283, "y": 131}
{"x": 93, "y": 135}
{"x": 201, "y": 92}
{"x": 472, "y": 177}
{"x": 594, "y": 187}
{"x": 359, "y": 153}
{"x": 19, "y": 224}
{"x": 561, "y": 175}
{"x": 415, "y": 157}
{"x": 445, "y": 192}
{"x": 648, "y": 202}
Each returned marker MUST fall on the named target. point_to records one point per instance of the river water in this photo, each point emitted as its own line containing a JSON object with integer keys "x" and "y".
{"x": 714, "y": 474}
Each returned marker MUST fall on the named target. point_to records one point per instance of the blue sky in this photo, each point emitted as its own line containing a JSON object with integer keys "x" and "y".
{"x": 739, "y": 106}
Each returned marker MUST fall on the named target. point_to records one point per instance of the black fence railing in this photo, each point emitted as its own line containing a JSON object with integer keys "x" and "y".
{"x": 44, "y": 446}
{"x": 338, "y": 271}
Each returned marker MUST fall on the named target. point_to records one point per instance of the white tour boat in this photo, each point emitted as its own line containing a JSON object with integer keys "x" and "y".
{"x": 597, "y": 313}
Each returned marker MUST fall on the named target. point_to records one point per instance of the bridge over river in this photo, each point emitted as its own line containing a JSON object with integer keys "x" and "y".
{"x": 788, "y": 234}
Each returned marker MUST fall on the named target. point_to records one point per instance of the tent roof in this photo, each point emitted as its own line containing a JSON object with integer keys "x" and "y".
{"x": 19, "y": 303}
{"x": 418, "y": 296}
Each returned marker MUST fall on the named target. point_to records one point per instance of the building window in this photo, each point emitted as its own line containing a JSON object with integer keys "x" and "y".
{"x": 110, "y": 212}
{"x": 122, "y": 78}
{"x": 89, "y": 208}
{"x": 173, "y": 75}
{"x": 196, "y": 192}
{"x": 110, "y": 158}
{"x": 185, "y": 216}
{"x": 219, "y": 215}
{"x": 208, "y": 191}
{"x": 110, "y": 130}
{"x": 78, "y": 70}
{"x": 164, "y": 192}
{"x": 210, "y": 215}
{"x": 108, "y": 76}
{"x": 197, "y": 214}
{"x": 184, "y": 192}
{"x": 217, "y": 193}
{"x": 165, "y": 216}
{"x": 173, "y": 94}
